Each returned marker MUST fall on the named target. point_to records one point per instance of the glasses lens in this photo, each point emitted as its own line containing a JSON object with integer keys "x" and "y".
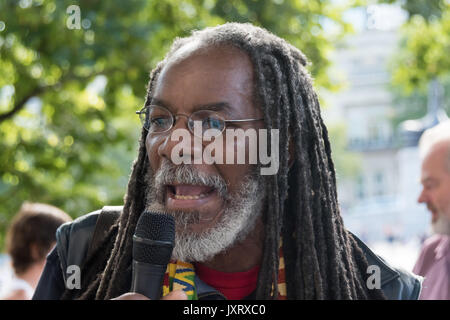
{"x": 205, "y": 120}
{"x": 158, "y": 119}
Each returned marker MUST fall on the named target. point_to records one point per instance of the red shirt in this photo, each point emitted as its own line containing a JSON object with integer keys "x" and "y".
{"x": 233, "y": 285}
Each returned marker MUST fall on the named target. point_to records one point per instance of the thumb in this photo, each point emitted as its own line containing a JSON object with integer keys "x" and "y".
{"x": 176, "y": 295}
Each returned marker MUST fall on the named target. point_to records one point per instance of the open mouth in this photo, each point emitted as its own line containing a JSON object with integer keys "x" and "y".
{"x": 182, "y": 196}
{"x": 189, "y": 192}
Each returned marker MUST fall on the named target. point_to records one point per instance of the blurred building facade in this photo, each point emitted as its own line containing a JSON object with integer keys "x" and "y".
{"x": 380, "y": 203}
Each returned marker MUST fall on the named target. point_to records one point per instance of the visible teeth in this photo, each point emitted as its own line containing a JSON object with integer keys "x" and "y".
{"x": 181, "y": 197}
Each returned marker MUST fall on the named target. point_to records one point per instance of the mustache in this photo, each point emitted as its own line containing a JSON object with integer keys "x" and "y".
{"x": 170, "y": 174}
{"x": 431, "y": 207}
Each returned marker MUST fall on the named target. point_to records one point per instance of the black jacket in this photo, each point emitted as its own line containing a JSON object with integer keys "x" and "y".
{"x": 74, "y": 238}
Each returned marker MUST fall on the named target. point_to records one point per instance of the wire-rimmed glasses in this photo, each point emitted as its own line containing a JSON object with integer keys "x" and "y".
{"x": 158, "y": 119}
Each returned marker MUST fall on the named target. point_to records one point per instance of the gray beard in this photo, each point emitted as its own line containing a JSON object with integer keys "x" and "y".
{"x": 442, "y": 225}
{"x": 242, "y": 209}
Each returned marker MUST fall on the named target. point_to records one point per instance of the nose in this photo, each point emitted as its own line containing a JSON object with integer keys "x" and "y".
{"x": 423, "y": 198}
{"x": 179, "y": 145}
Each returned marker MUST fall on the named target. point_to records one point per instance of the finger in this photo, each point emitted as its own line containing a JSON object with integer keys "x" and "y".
{"x": 176, "y": 295}
{"x": 131, "y": 296}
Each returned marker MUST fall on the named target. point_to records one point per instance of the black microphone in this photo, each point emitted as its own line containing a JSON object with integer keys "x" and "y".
{"x": 153, "y": 242}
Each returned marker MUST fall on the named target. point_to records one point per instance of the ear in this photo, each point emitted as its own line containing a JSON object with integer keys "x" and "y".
{"x": 34, "y": 252}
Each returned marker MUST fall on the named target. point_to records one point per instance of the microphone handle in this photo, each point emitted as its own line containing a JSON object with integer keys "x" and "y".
{"x": 147, "y": 279}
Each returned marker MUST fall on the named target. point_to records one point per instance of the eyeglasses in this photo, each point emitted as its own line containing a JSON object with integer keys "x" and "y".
{"x": 157, "y": 119}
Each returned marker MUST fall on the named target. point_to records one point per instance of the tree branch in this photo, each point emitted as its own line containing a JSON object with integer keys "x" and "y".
{"x": 38, "y": 90}
{"x": 20, "y": 104}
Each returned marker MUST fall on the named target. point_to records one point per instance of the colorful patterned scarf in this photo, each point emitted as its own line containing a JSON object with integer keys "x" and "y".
{"x": 180, "y": 276}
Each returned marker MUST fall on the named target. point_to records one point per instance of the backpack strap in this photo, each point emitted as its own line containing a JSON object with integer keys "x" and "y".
{"x": 107, "y": 217}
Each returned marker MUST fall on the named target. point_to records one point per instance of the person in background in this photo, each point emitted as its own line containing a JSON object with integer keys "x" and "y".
{"x": 434, "y": 259}
{"x": 30, "y": 238}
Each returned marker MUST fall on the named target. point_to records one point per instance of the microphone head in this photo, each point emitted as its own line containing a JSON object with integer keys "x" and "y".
{"x": 154, "y": 238}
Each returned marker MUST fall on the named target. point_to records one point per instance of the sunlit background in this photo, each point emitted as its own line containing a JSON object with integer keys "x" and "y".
{"x": 71, "y": 79}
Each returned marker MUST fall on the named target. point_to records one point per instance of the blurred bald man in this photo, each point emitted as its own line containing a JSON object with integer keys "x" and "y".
{"x": 434, "y": 260}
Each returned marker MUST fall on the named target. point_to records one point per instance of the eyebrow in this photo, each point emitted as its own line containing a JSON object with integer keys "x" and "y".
{"x": 427, "y": 180}
{"x": 216, "y": 106}
{"x": 221, "y": 106}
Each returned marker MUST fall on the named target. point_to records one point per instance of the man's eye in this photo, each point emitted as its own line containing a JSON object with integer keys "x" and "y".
{"x": 158, "y": 121}
{"x": 211, "y": 123}
{"x": 430, "y": 185}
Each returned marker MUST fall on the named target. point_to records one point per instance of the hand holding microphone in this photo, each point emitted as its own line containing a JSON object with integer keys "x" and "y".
{"x": 153, "y": 243}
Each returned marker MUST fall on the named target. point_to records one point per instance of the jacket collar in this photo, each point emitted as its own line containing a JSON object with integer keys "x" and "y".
{"x": 387, "y": 273}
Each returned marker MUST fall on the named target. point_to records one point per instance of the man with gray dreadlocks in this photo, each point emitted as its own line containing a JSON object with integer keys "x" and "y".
{"x": 240, "y": 234}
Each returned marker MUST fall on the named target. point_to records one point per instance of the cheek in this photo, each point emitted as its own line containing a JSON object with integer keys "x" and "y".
{"x": 233, "y": 175}
{"x": 152, "y": 145}
{"x": 240, "y": 149}
{"x": 233, "y": 172}
{"x": 445, "y": 200}
{"x": 440, "y": 200}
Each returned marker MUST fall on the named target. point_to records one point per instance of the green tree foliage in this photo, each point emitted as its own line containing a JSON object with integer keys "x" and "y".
{"x": 68, "y": 132}
{"x": 429, "y": 9}
{"x": 414, "y": 105}
{"x": 423, "y": 55}
{"x": 422, "y": 58}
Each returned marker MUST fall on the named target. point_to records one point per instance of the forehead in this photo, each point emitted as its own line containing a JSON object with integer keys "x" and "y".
{"x": 437, "y": 160}
{"x": 196, "y": 75}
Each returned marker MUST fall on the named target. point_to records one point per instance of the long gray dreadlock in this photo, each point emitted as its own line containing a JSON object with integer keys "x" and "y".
{"x": 322, "y": 259}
